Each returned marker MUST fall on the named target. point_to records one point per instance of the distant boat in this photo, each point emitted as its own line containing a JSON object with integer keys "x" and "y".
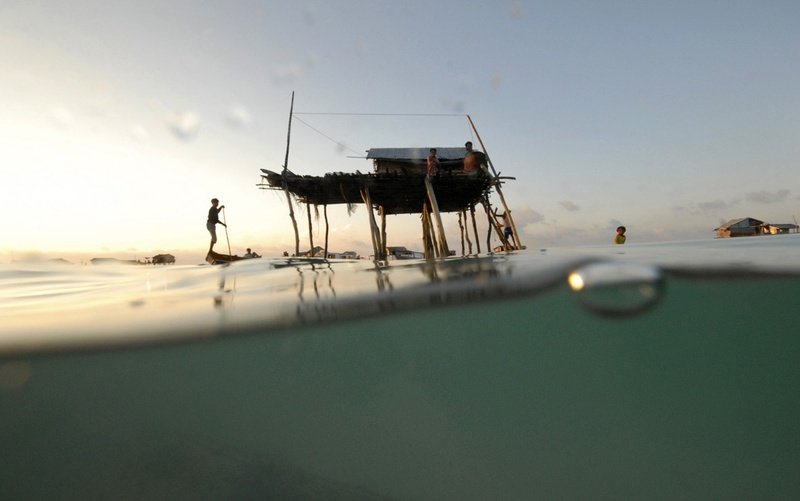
{"x": 216, "y": 258}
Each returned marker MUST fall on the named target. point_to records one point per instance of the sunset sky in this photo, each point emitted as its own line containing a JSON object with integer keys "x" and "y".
{"x": 122, "y": 119}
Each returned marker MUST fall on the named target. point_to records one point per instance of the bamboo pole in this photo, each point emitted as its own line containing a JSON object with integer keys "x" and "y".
{"x": 384, "y": 249}
{"x": 466, "y": 232}
{"x": 432, "y": 248}
{"x": 372, "y": 224}
{"x": 426, "y": 243}
{"x": 310, "y": 231}
{"x": 286, "y": 185}
{"x": 475, "y": 227}
{"x": 325, "y": 213}
{"x": 425, "y": 240}
{"x": 497, "y": 186}
{"x": 461, "y": 229}
{"x": 444, "y": 251}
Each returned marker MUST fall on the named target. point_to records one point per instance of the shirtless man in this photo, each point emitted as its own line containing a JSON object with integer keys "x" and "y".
{"x": 213, "y": 219}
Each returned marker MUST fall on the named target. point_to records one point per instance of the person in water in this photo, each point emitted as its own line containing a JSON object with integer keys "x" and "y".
{"x": 619, "y": 238}
{"x": 250, "y": 253}
{"x": 213, "y": 219}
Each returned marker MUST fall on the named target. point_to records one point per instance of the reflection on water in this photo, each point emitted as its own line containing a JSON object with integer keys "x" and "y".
{"x": 55, "y": 307}
{"x": 47, "y": 306}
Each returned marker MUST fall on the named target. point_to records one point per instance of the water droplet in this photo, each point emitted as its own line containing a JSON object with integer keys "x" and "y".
{"x": 617, "y": 289}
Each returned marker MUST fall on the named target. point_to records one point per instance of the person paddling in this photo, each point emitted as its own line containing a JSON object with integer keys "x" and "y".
{"x": 213, "y": 219}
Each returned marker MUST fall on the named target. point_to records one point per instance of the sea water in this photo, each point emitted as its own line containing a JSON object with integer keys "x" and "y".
{"x": 650, "y": 371}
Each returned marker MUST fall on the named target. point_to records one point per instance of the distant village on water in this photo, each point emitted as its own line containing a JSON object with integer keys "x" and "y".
{"x": 752, "y": 227}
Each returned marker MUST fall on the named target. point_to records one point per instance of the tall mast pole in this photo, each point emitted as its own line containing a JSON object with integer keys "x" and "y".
{"x": 286, "y": 185}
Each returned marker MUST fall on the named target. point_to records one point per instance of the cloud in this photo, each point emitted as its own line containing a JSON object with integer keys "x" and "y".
{"x": 766, "y": 197}
{"x": 525, "y": 215}
{"x": 185, "y": 125}
{"x": 238, "y": 117}
{"x": 712, "y": 206}
{"x": 570, "y": 206}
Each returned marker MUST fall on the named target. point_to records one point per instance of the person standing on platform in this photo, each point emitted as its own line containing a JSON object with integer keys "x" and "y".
{"x": 433, "y": 164}
{"x": 474, "y": 161}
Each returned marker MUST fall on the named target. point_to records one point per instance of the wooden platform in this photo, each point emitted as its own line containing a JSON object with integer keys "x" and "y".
{"x": 397, "y": 193}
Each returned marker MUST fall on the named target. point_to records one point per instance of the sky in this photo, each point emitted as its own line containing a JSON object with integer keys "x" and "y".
{"x": 121, "y": 119}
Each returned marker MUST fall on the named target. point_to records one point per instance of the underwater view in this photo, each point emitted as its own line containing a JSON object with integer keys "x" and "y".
{"x": 659, "y": 371}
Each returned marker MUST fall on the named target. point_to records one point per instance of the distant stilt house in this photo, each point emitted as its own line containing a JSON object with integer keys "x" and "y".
{"x": 749, "y": 227}
{"x": 399, "y": 185}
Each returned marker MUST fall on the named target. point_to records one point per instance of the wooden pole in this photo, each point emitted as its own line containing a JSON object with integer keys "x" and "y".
{"x": 475, "y": 227}
{"x": 286, "y": 185}
{"x": 497, "y": 186}
{"x": 425, "y": 240}
{"x": 226, "y": 230}
{"x": 310, "y": 230}
{"x": 461, "y": 229}
{"x": 431, "y": 247}
{"x": 384, "y": 249}
{"x": 466, "y": 232}
{"x": 325, "y": 213}
{"x": 372, "y": 224}
{"x": 444, "y": 251}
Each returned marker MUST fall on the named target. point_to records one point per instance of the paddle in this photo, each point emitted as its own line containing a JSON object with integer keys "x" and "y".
{"x": 225, "y": 223}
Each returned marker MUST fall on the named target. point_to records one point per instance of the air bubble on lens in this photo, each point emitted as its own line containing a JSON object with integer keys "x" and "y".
{"x": 617, "y": 289}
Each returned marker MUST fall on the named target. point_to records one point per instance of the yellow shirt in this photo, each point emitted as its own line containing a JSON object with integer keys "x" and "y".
{"x": 619, "y": 239}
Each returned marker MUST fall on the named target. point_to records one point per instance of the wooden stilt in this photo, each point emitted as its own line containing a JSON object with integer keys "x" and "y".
{"x": 432, "y": 249}
{"x": 466, "y": 233}
{"x": 475, "y": 228}
{"x": 461, "y": 228}
{"x": 443, "y": 249}
{"x": 376, "y": 246}
{"x": 310, "y": 231}
{"x": 325, "y": 212}
{"x": 425, "y": 239}
{"x": 384, "y": 249}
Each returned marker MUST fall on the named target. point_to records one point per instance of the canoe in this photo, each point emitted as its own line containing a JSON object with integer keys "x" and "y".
{"x": 217, "y": 258}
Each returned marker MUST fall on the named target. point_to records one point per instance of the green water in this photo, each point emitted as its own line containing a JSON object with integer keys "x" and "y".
{"x": 532, "y": 396}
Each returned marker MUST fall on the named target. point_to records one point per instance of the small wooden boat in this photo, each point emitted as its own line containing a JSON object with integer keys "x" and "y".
{"x": 217, "y": 258}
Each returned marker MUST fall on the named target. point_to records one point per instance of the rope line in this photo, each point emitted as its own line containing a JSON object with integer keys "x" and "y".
{"x": 338, "y": 143}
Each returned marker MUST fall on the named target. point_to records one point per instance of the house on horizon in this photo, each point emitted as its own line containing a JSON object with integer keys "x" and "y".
{"x": 750, "y": 227}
